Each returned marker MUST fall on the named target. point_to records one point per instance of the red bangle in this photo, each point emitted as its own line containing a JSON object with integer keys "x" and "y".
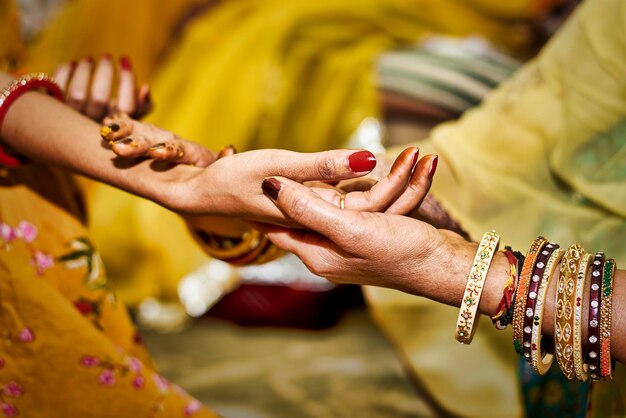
{"x": 13, "y": 91}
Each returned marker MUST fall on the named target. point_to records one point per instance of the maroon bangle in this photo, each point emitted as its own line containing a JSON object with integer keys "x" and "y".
{"x": 531, "y": 299}
{"x": 593, "y": 336}
{"x": 13, "y": 91}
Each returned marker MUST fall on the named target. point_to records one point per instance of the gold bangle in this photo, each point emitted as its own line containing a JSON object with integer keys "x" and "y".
{"x": 522, "y": 292}
{"x": 564, "y": 313}
{"x": 466, "y": 322}
{"x": 580, "y": 368}
{"x": 541, "y": 361}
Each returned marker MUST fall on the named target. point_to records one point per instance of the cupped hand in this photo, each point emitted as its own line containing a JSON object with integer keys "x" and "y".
{"x": 348, "y": 246}
{"x": 90, "y": 88}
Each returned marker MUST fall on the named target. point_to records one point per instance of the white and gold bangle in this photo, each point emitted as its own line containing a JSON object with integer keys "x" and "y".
{"x": 541, "y": 362}
{"x": 580, "y": 368}
{"x": 465, "y": 325}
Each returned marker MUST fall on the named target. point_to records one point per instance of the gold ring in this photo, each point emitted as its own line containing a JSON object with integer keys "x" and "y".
{"x": 342, "y": 201}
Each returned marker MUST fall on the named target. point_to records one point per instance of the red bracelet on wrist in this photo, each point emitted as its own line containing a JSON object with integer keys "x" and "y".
{"x": 13, "y": 91}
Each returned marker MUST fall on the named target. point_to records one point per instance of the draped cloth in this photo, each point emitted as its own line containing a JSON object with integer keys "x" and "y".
{"x": 545, "y": 154}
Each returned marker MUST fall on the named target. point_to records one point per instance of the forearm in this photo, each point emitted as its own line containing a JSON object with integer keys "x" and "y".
{"x": 47, "y": 130}
{"x": 451, "y": 280}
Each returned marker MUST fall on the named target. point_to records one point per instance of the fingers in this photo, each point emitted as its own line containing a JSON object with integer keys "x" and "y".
{"x": 144, "y": 102}
{"x": 101, "y": 86}
{"x": 78, "y": 87}
{"x": 418, "y": 186}
{"x": 322, "y": 166}
{"x": 385, "y": 192}
{"x": 116, "y": 127}
{"x": 182, "y": 152}
{"x": 308, "y": 209}
{"x": 63, "y": 74}
{"x": 126, "y": 94}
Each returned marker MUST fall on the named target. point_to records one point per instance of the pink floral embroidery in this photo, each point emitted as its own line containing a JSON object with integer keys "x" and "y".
{"x": 192, "y": 407}
{"x": 26, "y": 335}
{"x": 9, "y": 409}
{"x": 7, "y": 233}
{"x": 13, "y": 389}
{"x": 107, "y": 378}
{"x": 28, "y": 231}
{"x": 161, "y": 383}
{"x": 89, "y": 361}
{"x": 134, "y": 364}
{"x": 139, "y": 381}
{"x": 42, "y": 261}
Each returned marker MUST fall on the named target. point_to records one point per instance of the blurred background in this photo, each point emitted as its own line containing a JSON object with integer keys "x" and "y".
{"x": 275, "y": 340}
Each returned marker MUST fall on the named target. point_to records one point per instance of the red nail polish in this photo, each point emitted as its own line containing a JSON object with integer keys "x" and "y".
{"x": 89, "y": 59}
{"x": 107, "y": 57}
{"x": 362, "y": 161}
{"x": 271, "y": 187}
{"x": 433, "y": 167}
{"x": 73, "y": 65}
{"x": 125, "y": 63}
{"x": 416, "y": 156}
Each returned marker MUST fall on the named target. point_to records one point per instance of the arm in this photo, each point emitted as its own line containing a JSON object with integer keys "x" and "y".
{"x": 406, "y": 254}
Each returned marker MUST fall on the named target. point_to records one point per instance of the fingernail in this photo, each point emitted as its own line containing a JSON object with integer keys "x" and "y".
{"x": 125, "y": 63}
{"x": 416, "y": 156}
{"x": 126, "y": 141}
{"x": 89, "y": 59}
{"x": 362, "y": 161}
{"x": 271, "y": 187}
{"x": 73, "y": 65}
{"x": 114, "y": 127}
{"x": 106, "y": 56}
{"x": 433, "y": 166}
{"x": 160, "y": 145}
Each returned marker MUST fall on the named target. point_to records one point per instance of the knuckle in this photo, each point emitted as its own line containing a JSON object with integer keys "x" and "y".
{"x": 326, "y": 168}
{"x": 298, "y": 207}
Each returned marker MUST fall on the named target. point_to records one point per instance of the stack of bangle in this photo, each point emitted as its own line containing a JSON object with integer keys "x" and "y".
{"x": 252, "y": 248}
{"x": 524, "y": 299}
{"x": 13, "y": 91}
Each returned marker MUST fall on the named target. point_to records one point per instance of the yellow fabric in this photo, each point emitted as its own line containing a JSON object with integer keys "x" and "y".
{"x": 544, "y": 154}
{"x": 252, "y": 73}
{"x": 67, "y": 346}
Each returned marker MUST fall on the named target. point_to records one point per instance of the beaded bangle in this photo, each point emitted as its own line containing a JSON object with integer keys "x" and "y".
{"x": 507, "y": 292}
{"x": 13, "y": 91}
{"x": 465, "y": 325}
{"x": 580, "y": 368}
{"x": 564, "y": 314}
{"x": 606, "y": 306}
{"x": 522, "y": 291}
{"x": 531, "y": 299}
{"x": 543, "y": 357}
{"x": 593, "y": 341}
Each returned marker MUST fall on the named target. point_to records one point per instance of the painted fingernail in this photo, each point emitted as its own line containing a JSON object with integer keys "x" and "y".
{"x": 126, "y": 141}
{"x": 125, "y": 63}
{"x": 433, "y": 166}
{"x": 89, "y": 59}
{"x": 114, "y": 127}
{"x": 106, "y": 56}
{"x": 158, "y": 146}
{"x": 271, "y": 187}
{"x": 362, "y": 161}
{"x": 416, "y": 156}
{"x": 73, "y": 65}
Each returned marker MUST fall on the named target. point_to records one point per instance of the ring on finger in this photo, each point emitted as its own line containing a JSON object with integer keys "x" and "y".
{"x": 342, "y": 201}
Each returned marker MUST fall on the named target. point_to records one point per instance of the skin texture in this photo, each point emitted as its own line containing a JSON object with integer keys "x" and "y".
{"x": 388, "y": 250}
